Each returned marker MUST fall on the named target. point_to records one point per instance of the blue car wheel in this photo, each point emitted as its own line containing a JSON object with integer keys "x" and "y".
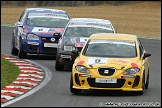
{"x": 22, "y": 53}
{"x": 14, "y": 51}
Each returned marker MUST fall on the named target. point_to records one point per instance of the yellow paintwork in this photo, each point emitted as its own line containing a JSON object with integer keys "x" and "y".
{"x": 111, "y": 62}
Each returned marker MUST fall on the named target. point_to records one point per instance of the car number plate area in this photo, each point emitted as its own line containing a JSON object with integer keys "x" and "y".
{"x": 50, "y": 45}
{"x": 105, "y": 80}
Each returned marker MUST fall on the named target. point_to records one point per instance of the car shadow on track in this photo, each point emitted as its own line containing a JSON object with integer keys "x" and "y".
{"x": 107, "y": 93}
{"x": 41, "y": 57}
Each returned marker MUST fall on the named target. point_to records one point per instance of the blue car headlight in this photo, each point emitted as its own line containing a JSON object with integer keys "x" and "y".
{"x": 32, "y": 37}
{"x": 82, "y": 69}
{"x": 131, "y": 71}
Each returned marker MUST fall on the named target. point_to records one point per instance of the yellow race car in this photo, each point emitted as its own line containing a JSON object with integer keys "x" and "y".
{"x": 111, "y": 62}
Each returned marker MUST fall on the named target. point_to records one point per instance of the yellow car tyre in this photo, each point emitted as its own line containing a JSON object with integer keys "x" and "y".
{"x": 147, "y": 82}
{"x": 73, "y": 90}
{"x": 143, "y": 85}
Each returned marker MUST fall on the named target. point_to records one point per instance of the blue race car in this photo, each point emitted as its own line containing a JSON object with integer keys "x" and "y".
{"x": 38, "y": 31}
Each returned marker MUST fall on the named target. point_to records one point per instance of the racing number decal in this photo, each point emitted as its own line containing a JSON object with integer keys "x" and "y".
{"x": 94, "y": 60}
{"x": 39, "y": 29}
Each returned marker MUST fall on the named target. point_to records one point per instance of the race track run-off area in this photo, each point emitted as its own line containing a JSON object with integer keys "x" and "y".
{"x": 46, "y": 87}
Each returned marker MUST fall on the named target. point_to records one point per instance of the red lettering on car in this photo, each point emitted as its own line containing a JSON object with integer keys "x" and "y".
{"x": 80, "y": 62}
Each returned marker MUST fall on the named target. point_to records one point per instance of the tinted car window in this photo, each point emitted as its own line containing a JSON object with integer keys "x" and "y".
{"x": 84, "y": 31}
{"x": 48, "y": 19}
{"x": 141, "y": 49}
{"x": 47, "y": 22}
{"x": 113, "y": 48}
{"x": 21, "y": 17}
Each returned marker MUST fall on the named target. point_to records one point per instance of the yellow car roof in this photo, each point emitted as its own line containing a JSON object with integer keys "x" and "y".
{"x": 116, "y": 36}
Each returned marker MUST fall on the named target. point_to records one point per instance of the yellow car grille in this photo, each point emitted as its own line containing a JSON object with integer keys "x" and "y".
{"x": 106, "y": 71}
{"x": 119, "y": 84}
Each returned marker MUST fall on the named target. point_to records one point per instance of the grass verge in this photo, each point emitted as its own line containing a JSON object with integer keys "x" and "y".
{"x": 140, "y": 18}
{"x": 9, "y": 72}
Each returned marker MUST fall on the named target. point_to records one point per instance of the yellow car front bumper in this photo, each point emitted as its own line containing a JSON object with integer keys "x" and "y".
{"x": 126, "y": 83}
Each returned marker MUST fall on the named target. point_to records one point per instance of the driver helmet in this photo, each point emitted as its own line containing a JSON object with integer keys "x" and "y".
{"x": 78, "y": 30}
{"x": 32, "y": 21}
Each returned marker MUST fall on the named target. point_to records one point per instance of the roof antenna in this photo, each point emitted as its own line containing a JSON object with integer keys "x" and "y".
{"x": 116, "y": 26}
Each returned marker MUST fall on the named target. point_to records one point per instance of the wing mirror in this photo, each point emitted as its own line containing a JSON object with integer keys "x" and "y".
{"x": 76, "y": 54}
{"x": 19, "y": 24}
{"x": 146, "y": 54}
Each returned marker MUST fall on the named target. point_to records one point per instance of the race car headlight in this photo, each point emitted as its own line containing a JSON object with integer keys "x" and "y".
{"x": 131, "y": 71}
{"x": 32, "y": 37}
{"x": 68, "y": 48}
{"x": 82, "y": 69}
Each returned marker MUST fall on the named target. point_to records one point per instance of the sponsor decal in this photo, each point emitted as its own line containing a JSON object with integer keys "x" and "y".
{"x": 121, "y": 60}
{"x": 100, "y": 25}
{"x": 79, "y": 45}
{"x": 61, "y": 30}
{"x": 51, "y": 15}
{"x": 57, "y": 15}
{"x": 80, "y": 62}
{"x": 92, "y": 23}
{"x": 33, "y": 43}
{"x": 73, "y": 40}
{"x": 52, "y": 39}
{"x": 91, "y": 20}
{"x": 134, "y": 65}
{"x": 45, "y": 32}
{"x": 117, "y": 63}
{"x": 95, "y": 60}
{"x": 83, "y": 39}
{"x": 132, "y": 43}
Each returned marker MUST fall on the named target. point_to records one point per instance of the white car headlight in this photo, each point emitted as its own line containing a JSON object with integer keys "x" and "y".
{"x": 131, "y": 71}
{"x": 69, "y": 48}
{"x": 32, "y": 37}
{"x": 82, "y": 69}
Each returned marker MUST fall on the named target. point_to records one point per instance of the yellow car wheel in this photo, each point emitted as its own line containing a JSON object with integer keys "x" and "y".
{"x": 73, "y": 90}
{"x": 143, "y": 85}
{"x": 147, "y": 82}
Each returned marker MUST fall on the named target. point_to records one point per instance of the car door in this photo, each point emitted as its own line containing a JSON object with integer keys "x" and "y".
{"x": 19, "y": 27}
{"x": 145, "y": 61}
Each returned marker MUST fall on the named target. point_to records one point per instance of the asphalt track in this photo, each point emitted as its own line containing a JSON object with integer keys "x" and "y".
{"x": 56, "y": 92}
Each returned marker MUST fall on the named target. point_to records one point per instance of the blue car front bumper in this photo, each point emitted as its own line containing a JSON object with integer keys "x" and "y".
{"x": 39, "y": 47}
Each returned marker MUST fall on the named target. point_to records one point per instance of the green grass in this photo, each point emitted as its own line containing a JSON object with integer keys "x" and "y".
{"x": 9, "y": 72}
